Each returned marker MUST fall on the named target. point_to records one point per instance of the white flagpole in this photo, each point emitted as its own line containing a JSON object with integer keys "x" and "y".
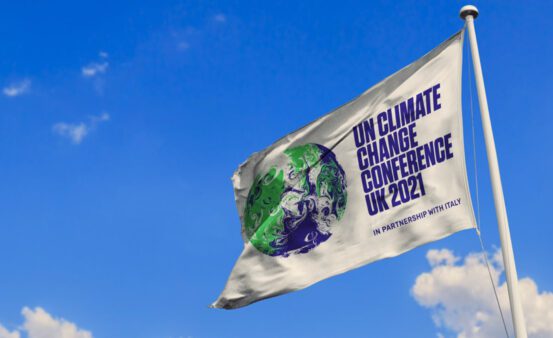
{"x": 469, "y": 13}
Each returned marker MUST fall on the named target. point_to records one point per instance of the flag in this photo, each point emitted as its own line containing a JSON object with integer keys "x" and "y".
{"x": 377, "y": 177}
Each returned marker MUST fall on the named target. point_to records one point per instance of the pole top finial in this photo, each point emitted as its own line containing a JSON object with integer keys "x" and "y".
{"x": 468, "y": 10}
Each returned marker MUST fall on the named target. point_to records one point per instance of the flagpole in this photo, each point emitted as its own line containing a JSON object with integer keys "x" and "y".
{"x": 469, "y": 13}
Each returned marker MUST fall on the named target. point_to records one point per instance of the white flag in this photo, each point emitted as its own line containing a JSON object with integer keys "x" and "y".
{"x": 379, "y": 176}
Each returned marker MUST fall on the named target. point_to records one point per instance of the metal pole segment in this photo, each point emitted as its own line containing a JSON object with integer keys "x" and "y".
{"x": 469, "y": 13}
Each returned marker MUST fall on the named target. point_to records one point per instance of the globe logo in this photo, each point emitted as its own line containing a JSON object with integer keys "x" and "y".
{"x": 291, "y": 210}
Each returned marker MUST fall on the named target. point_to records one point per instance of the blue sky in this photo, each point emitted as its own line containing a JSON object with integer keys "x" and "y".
{"x": 122, "y": 122}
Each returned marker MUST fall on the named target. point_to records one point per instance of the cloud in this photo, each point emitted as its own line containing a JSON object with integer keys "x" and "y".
{"x": 95, "y": 68}
{"x": 461, "y": 298}
{"x": 17, "y": 88}
{"x": 4, "y": 333}
{"x": 221, "y": 18}
{"x": 437, "y": 257}
{"x": 76, "y": 132}
{"x": 40, "y": 324}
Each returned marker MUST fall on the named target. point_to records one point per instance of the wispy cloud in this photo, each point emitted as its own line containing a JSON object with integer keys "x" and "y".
{"x": 76, "y": 132}
{"x": 94, "y": 71}
{"x": 462, "y": 302}
{"x": 40, "y": 324}
{"x": 220, "y": 17}
{"x": 95, "y": 68}
{"x": 17, "y": 88}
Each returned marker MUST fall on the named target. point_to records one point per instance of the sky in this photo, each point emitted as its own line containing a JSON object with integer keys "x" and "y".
{"x": 122, "y": 122}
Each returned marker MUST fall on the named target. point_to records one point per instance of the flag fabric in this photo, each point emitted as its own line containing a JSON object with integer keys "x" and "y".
{"x": 377, "y": 177}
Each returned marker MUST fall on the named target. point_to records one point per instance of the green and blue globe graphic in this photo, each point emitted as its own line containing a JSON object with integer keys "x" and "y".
{"x": 291, "y": 210}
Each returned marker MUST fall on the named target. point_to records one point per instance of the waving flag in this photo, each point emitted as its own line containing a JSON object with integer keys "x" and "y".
{"x": 379, "y": 176}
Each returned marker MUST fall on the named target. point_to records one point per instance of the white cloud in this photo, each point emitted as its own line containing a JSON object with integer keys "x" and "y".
{"x": 461, "y": 298}
{"x": 437, "y": 257}
{"x": 94, "y": 68}
{"x": 40, "y": 324}
{"x": 220, "y": 18}
{"x": 17, "y": 88}
{"x": 100, "y": 118}
{"x": 76, "y": 132}
{"x": 4, "y": 333}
